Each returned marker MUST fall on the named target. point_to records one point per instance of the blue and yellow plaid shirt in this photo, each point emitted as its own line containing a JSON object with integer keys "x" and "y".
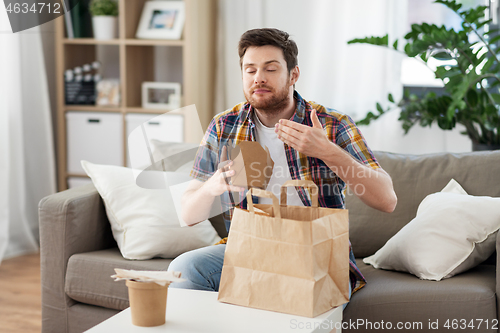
{"x": 235, "y": 125}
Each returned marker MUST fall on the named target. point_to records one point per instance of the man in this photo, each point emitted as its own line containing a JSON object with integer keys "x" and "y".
{"x": 306, "y": 141}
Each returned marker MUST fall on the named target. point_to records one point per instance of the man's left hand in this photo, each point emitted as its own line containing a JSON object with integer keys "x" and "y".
{"x": 310, "y": 141}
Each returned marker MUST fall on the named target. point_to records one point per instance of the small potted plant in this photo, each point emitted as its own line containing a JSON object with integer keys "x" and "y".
{"x": 104, "y": 22}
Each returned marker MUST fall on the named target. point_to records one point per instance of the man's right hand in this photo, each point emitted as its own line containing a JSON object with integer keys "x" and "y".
{"x": 199, "y": 196}
{"x": 220, "y": 181}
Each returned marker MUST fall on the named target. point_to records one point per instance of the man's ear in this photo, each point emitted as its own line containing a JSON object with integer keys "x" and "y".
{"x": 294, "y": 75}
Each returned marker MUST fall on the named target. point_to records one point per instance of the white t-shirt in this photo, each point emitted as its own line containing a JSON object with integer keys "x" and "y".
{"x": 281, "y": 173}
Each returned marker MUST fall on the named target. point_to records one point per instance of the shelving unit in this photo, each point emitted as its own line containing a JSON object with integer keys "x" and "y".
{"x": 137, "y": 64}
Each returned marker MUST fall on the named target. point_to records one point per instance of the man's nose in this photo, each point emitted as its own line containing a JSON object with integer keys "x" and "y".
{"x": 260, "y": 77}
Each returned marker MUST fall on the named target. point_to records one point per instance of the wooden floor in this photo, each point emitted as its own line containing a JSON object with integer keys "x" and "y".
{"x": 20, "y": 296}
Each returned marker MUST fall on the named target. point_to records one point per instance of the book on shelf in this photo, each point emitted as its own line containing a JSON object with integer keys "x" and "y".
{"x": 68, "y": 22}
{"x": 81, "y": 18}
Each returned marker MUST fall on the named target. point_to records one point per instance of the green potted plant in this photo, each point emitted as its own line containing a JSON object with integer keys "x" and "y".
{"x": 471, "y": 82}
{"x": 104, "y": 18}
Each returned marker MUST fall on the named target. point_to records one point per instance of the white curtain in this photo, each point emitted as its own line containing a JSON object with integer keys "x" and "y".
{"x": 27, "y": 165}
{"x": 348, "y": 78}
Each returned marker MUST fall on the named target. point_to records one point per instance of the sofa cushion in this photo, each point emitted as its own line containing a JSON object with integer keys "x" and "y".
{"x": 415, "y": 177}
{"x": 451, "y": 233}
{"x": 401, "y": 297}
{"x": 146, "y": 221}
{"x": 88, "y": 277}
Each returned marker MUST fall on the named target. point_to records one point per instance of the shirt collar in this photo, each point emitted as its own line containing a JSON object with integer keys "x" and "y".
{"x": 300, "y": 109}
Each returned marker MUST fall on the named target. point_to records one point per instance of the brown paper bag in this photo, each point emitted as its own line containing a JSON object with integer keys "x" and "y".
{"x": 288, "y": 259}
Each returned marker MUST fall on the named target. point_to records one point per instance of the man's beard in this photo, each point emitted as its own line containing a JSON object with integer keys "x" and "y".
{"x": 273, "y": 105}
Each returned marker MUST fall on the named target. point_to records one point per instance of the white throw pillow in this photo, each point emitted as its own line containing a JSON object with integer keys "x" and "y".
{"x": 144, "y": 221}
{"x": 173, "y": 155}
{"x": 452, "y": 232}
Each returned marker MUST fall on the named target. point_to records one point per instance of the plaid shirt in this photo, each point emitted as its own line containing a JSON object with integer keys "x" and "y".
{"x": 235, "y": 125}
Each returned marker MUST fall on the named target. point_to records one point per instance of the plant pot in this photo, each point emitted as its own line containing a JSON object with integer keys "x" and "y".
{"x": 105, "y": 27}
{"x": 484, "y": 147}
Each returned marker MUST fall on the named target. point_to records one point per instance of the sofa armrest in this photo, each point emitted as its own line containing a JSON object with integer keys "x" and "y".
{"x": 72, "y": 221}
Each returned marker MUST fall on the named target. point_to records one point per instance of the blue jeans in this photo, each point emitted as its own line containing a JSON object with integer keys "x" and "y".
{"x": 202, "y": 268}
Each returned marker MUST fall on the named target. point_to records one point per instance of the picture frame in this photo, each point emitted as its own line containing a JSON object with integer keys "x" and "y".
{"x": 162, "y": 20}
{"x": 161, "y": 95}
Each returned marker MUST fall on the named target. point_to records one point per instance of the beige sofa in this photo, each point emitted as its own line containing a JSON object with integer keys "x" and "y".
{"x": 78, "y": 254}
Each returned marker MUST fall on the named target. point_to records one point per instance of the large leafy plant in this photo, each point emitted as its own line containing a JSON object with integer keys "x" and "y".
{"x": 470, "y": 76}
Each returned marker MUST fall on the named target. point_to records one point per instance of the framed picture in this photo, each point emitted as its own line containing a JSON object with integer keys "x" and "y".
{"x": 161, "y": 95}
{"x": 162, "y": 20}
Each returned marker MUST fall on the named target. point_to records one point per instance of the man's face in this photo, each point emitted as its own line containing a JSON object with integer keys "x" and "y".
{"x": 267, "y": 84}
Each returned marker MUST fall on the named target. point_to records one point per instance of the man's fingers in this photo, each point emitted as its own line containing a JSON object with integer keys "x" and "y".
{"x": 292, "y": 124}
{"x": 225, "y": 165}
{"x": 282, "y": 130}
{"x": 224, "y": 161}
{"x": 227, "y": 178}
{"x": 315, "y": 119}
{"x": 228, "y": 174}
{"x": 235, "y": 188}
{"x": 224, "y": 155}
{"x": 288, "y": 139}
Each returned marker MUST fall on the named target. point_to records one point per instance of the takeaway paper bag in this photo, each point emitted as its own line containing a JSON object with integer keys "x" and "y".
{"x": 291, "y": 259}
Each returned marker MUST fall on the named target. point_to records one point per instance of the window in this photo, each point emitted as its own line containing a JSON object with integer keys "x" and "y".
{"x": 415, "y": 75}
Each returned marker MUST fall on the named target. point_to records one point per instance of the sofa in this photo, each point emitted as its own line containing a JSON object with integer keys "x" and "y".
{"x": 78, "y": 254}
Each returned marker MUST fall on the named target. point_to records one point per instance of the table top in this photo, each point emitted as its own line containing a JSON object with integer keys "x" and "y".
{"x": 200, "y": 311}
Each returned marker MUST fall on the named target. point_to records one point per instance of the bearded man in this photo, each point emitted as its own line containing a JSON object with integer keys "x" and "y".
{"x": 306, "y": 141}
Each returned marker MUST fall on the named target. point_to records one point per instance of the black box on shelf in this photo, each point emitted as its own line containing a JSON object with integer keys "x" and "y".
{"x": 82, "y": 92}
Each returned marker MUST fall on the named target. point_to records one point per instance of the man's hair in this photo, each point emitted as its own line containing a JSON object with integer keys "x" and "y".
{"x": 270, "y": 36}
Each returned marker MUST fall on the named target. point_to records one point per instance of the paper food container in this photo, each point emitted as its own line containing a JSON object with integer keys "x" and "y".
{"x": 148, "y": 303}
{"x": 252, "y": 164}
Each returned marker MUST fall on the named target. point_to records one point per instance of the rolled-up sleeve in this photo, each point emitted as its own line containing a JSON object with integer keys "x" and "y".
{"x": 349, "y": 137}
{"x": 207, "y": 157}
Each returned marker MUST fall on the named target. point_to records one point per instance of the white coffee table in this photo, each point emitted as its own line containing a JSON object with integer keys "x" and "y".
{"x": 200, "y": 311}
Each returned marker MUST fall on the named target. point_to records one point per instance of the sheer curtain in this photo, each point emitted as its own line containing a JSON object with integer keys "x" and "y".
{"x": 27, "y": 165}
{"x": 348, "y": 78}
